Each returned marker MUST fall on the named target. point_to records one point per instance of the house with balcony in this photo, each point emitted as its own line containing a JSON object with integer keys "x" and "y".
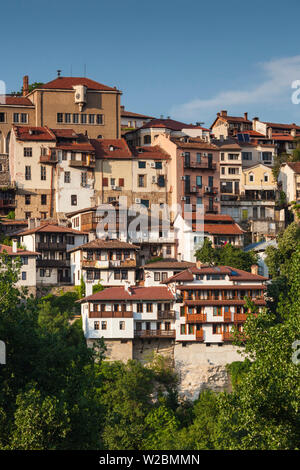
{"x": 48, "y": 166}
{"x": 230, "y": 168}
{"x": 53, "y": 242}
{"x": 108, "y": 262}
{"x": 127, "y": 315}
{"x": 27, "y": 276}
{"x": 194, "y": 176}
{"x": 225, "y": 126}
{"x": 212, "y": 299}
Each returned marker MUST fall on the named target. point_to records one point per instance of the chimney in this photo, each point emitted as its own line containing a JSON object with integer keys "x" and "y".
{"x": 246, "y": 116}
{"x": 25, "y": 90}
{"x": 198, "y": 264}
{"x": 293, "y": 132}
{"x": 254, "y": 269}
{"x": 269, "y": 132}
{"x": 14, "y": 245}
{"x": 127, "y": 288}
{"x": 223, "y": 113}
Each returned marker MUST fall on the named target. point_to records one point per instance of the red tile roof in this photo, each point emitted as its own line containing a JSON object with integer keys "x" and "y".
{"x": 20, "y": 251}
{"x": 282, "y": 126}
{"x": 52, "y": 228}
{"x": 65, "y": 133}
{"x": 235, "y": 274}
{"x": 223, "y": 229}
{"x": 67, "y": 83}
{"x": 120, "y": 149}
{"x": 16, "y": 101}
{"x": 106, "y": 245}
{"x": 153, "y": 153}
{"x": 287, "y": 137}
{"x": 136, "y": 293}
{"x": 295, "y": 166}
{"x": 30, "y": 133}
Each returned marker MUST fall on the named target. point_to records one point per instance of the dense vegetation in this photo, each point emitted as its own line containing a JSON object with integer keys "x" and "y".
{"x": 55, "y": 393}
{"x": 227, "y": 255}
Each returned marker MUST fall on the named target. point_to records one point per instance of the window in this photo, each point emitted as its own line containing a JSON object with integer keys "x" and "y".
{"x": 198, "y": 157}
{"x": 161, "y": 181}
{"x": 233, "y": 171}
{"x": 223, "y": 170}
{"x": 43, "y": 215}
{"x": 27, "y": 199}
{"x": 74, "y": 200}
{"x": 43, "y": 199}
{"x": 59, "y": 117}
{"x": 43, "y": 173}
{"x": 16, "y": 117}
{"x": 99, "y": 118}
{"x": 157, "y": 277}
{"x": 75, "y": 118}
{"x": 222, "y": 156}
{"x": 149, "y": 307}
{"x": 112, "y": 182}
{"x": 139, "y": 308}
{"x": 23, "y": 275}
{"x": 103, "y": 325}
{"x": 164, "y": 276}
{"x": 27, "y": 173}
{"x": 83, "y": 118}
{"x": 168, "y": 250}
{"x": 251, "y": 177}
{"x": 147, "y": 139}
{"x": 2, "y": 117}
{"x": 142, "y": 164}
{"x": 266, "y": 156}
{"x": 27, "y": 215}
{"x": 96, "y": 325}
{"x": 124, "y": 274}
{"x": 117, "y": 275}
{"x": 182, "y": 329}
{"x": 67, "y": 118}
{"x": 266, "y": 177}
{"x": 24, "y": 118}
{"x": 27, "y": 152}
{"x": 247, "y": 155}
{"x": 141, "y": 181}
{"x": 199, "y": 181}
{"x": 122, "y": 325}
{"x": 233, "y": 156}
{"x": 217, "y": 311}
{"x": 158, "y": 165}
{"x": 64, "y": 155}
{"x": 67, "y": 177}
{"x": 24, "y": 259}
{"x": 91, "y": 118}
{"x": 145, "y": 202}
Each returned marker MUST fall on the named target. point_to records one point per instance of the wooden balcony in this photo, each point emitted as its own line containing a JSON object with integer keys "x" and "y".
{"x": 155, "y": 333}
{"x": 49, "y": 158}
{"x": 227, "y": 316}
{"x": 84, "y": 163}
{"x": 100, "y": 264}
{"x": 195, "y": 318}
{"x": 52, "y": 263}
{"x": 51, "y": 246}
{"x": 124, "y": 314}
{"x": 240, "y": 317}
{"x": 166, "y": 315}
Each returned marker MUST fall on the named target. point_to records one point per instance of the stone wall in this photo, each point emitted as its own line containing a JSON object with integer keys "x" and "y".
{"x": 145, "y": 349}
{"x": 201, "y": 367}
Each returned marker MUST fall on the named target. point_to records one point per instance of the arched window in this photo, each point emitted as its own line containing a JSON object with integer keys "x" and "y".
{"x": 251, "y": 177}
{"x": 100, "y": 137}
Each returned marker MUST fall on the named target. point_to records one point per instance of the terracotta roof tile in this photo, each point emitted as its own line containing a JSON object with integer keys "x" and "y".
{"x": 67, "y": 83}
{"x": 30, "y": 133}
{"x": 20, "y": 251}
{"x": 137, "y": 293}
{"x": 52, "y": 228}
{"x": 111, "y": 148}
{"x": 106, "y": 244}
{"x": 16, "y": 101}
{"x": 154, "y": 153}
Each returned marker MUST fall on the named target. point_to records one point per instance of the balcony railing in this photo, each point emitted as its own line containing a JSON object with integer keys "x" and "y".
{"x": 87, "y": 263}
{"x": 210, "y": 190}
{"x": 51, "y": 246}
{"x": 155, "y": 333}
{"x": 49, "y": 158}
{"x": 200, "y": 165}
{"x": 52, "y": 263}
{"x": 166, "y": 314}
{"x": 212, "y": 209}
{"x": 195, "y": 318}
{"x": 125, "y": 314}
{"x": 227, "y": 336}
{"x": 89, "y": 163}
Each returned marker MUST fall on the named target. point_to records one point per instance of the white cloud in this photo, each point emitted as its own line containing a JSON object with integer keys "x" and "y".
{"x": 279, "y": 75}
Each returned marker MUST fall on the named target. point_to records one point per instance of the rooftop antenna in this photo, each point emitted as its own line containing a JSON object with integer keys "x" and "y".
{"x": 58, "y": 72}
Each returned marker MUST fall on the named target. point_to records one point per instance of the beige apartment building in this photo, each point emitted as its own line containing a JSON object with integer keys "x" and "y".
{"x": 78, "y": 102}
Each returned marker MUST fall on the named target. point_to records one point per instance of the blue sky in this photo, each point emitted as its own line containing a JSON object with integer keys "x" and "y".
{"x": 184, "y": 59}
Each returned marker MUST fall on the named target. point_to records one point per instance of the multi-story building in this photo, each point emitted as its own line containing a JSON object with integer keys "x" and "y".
{"x": 131, "y": 121}
{"x": 124, "y": 315}
{"x": 282, "y": 136}
{"x": 147, "y": 134}
{"x": 78, "y": 102}
{"x": 225, "y": 126}
{"x": 211, "y": 300}
{"x": 108, "y": 262}
{"x": 194, "y": 176}
{"x": 27, "y": 277}
{"x": 289, "y": 180}
{"x": 7, "y": 190}
{"x": 230, "y": 168}
{"x": 53, "y": 242}
{"x": 48, "y": 167}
